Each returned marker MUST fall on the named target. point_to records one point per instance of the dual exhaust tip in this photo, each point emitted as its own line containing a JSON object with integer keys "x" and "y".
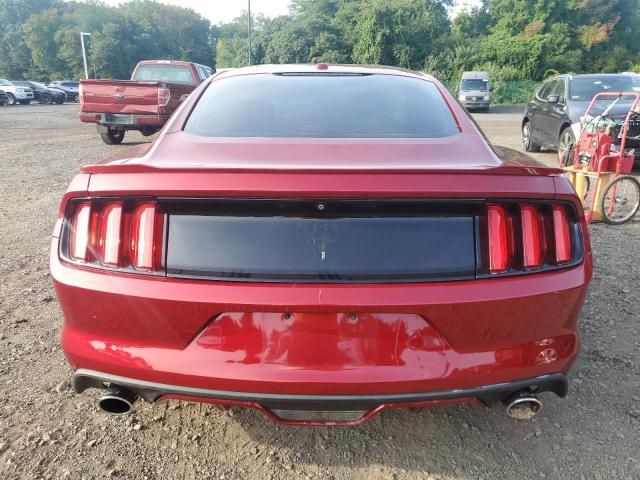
{"x": 117, "y": 400}
{"x": 521, "y": 405}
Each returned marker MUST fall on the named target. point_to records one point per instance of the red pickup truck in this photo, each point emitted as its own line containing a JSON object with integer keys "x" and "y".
{"x": 143, "y": 103}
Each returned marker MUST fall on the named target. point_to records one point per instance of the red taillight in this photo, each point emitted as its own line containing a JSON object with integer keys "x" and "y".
{"x": 146, "y": 228}
{"x": 562, "y": 234}
{"x": 532, "y": 237}
{"x": 117, "y": 234}
{"x": 79, "y": 235}
{"x": 499, "y": 239}
{"x": 524, "y": 237}
{"x": 164, "y": 95}
{"x": 110, "y": 234}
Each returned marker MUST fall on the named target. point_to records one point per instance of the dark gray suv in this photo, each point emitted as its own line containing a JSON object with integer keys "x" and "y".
{"x": 552, "y": 118}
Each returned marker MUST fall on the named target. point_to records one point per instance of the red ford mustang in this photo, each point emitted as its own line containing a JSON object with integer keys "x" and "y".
{"x": 321, "y": 243}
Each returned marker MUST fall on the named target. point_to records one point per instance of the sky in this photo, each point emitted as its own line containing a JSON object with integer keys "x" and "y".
{"x": 218, "y": 11}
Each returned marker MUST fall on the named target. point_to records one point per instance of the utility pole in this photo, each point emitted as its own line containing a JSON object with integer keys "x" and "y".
{"x": 249, "y": 26}
{"x": 84, "y": 53}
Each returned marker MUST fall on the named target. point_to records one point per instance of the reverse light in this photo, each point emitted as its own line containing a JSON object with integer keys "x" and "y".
{"x": 164, "y": 95}
{"x": 499, "y": 233}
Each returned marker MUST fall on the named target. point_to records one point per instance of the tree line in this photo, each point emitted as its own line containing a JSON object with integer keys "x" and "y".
{"x": 512, "y": 39}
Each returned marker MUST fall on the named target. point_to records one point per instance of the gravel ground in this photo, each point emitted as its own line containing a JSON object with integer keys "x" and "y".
{"x": 46, "y": 431}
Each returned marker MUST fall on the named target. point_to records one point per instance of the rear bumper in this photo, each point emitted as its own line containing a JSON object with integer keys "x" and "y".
{"x": 476, "y": 104}
{"x": 132, "y": 121}
{"x": 406, "y": 338}
{"x": 366, "y": 405}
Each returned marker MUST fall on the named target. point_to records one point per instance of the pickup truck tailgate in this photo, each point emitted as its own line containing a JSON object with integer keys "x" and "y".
{"x": 129, "y": 96}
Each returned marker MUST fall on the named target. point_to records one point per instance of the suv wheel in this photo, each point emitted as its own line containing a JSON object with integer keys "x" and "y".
{"x": 565, "y": 146}
{"x": 527, "y": 143}
{"x": 11, "y": 100}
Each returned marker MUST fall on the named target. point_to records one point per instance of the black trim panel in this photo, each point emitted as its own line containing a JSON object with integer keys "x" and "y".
{"x": 150, "y": 391}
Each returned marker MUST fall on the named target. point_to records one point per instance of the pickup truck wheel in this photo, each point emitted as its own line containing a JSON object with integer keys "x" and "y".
{"x": 11, "y": 100}
{"x": 113, "y": 137}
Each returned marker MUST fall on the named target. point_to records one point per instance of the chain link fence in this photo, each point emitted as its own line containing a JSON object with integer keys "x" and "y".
{"x": 505, "y": 92}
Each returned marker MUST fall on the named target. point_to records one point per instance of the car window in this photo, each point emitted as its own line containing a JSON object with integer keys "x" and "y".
{"x": 164, "y": 73}
{"x": 209, "y": 71}
{"x": 201, "y": 72}
{"x": 545, "y": 90}
{"x": 322, "y": 105}
{"x": 585, "y": 88}
{"x": 559, "y": 88}
{"x": 70, "y": 84}
{"x": 474, "y": 84}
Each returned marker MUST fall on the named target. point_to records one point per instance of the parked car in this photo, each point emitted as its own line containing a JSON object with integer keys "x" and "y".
{"x": 4, "y": 98}
{"x": 41, "y": 93}
{"x": 552, "y": 118}
{"x": 144, "y": 103}
{"x": 474, "y": 91}
{"x": 69, "y": 87}
{"x": 16, "y": 94}
{"x": 323, "y": 260}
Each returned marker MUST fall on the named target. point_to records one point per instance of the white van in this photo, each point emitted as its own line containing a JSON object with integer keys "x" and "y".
{"x": 475, "y": 91}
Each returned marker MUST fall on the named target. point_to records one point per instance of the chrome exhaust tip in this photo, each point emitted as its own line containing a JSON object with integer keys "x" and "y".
{"x": 117, "y": 401}
{"x": 523, "y": 405}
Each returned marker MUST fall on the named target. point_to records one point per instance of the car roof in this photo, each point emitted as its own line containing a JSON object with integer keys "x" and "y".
{"x": 595, "y": 75}
{"x": 323, "y": 68}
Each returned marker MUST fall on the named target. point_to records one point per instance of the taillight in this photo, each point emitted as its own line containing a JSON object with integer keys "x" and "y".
{"x": 79, "y": 234}
{"x": 115, "y": 234}
{"x": 498, "y": 225}
{"x": 164, "y": 95}
{"x": 525, "y": 237}
{"x": 145, "y": 246}
{"x": 562, "y": 234}
{"x": 532, "y": 237}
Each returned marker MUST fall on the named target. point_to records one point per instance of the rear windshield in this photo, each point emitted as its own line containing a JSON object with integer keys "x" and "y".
{"x": 474, "y": 84}
{"x": 164, "y": 73}
{"x": 584, "y": 89}
{"x": 321, "y": 105}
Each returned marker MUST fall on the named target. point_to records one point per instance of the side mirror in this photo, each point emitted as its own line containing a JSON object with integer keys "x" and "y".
{"x": 553, "y": 98}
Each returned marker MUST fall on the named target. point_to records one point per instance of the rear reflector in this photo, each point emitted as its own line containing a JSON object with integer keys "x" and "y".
{"x": 562, "y": 234}
{"x": 532, "y": 239}
{"x": 79, "y": 239}
{"x": 497, "y": 222}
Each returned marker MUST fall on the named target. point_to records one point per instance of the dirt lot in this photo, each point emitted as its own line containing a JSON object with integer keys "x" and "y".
{"x": 46, "y": 431}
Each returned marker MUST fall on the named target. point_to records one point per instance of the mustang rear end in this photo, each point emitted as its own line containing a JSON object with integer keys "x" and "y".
{"x": 290, "y": 246}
